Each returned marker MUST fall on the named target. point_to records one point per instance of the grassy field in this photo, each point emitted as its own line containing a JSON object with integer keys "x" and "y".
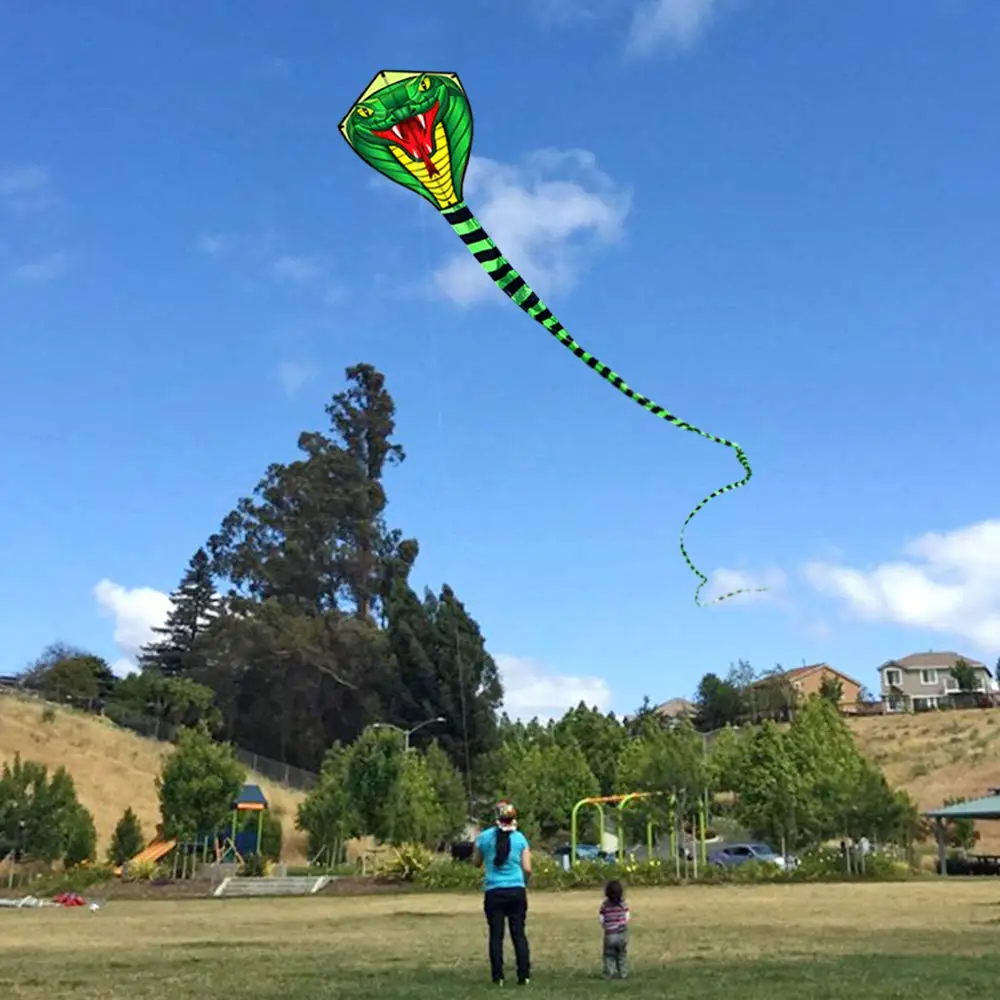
{"x": 822, "y": 942}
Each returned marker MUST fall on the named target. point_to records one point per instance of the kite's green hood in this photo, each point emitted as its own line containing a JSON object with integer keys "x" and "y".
{"x": 416, "y": 129}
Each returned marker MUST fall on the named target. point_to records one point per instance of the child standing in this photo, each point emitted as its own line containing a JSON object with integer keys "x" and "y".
{"x": 615, "y": 916}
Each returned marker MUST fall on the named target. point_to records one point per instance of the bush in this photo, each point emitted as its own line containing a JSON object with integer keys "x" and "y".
{"x": 254, "y": 866}
{"x": 549, "y": 875}
{"x": 271, "y": 837}
{"x": 406, "y": 863}
{"x": 141, "y": 871}
{"x": 828, "y": 864}
{"x": 81, "y": 838}
{"x": 127, "y": 840}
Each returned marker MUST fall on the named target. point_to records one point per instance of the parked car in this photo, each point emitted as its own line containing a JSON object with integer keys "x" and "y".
{"x": 585, "y": 852}
{"x": 739, "y": 854}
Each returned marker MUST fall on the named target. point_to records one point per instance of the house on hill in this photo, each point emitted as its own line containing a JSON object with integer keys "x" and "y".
{"x": 808, "y": 680}
{"x": 676, "y": 709}
{"x": 922, "y": 682}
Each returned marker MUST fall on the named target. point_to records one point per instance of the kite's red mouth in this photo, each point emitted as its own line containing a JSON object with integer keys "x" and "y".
{"x": 415, "y": 136}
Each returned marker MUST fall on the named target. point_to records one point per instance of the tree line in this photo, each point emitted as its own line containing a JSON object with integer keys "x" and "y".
{"x": 296, "y": 625}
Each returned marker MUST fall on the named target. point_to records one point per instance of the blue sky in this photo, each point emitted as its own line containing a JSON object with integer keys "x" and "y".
{"x": 777, "y": 219}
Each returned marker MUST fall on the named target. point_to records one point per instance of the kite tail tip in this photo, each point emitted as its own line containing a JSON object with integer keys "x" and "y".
{"x": 725, "y": 597}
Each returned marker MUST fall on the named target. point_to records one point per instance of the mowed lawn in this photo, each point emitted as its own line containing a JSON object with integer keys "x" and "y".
{"x": 864, "y": 942}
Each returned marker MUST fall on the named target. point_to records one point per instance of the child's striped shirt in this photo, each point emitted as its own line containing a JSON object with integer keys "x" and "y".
{"x": 614, "y": 917}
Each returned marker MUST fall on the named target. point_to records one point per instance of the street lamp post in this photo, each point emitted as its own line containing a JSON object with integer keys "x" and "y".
{"x": 407, "y": 733}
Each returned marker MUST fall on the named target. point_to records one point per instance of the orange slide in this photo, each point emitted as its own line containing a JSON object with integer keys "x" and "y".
{"x": 152, "y": 852}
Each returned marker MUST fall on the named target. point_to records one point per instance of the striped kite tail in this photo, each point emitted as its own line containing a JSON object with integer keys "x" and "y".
{"x": 468, "y": 228}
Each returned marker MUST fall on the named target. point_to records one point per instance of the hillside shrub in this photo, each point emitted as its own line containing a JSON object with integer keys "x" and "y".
{"x": 81, "y": 838}
{"x": 127, "y": 840}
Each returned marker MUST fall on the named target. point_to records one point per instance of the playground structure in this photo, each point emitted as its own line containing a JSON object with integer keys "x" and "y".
{"x": 674, "y": 828}
{"x": 228, "y": 845}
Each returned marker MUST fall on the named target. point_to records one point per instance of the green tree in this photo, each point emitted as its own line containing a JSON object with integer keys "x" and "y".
{"x": 418, "y": 817}
{"x": 601, "y": 738}
{"x": 327, "y": 815}
{"x": 127, "y": 840}
{"x": 374, "y": 781}
{"x": 449, "y": 791}
{"x": 37, "y": 813}
{"x": 773, "y": 796}
{"x": 194, "y": 607}
{"x": 669, "y": 761}
{"x": 965, "y": 676}
{"x": 829, "y": 763}
{"x": 466, "y": 682}
{"x": 298, "y": 661}
{"x": 63, "y": 673}
{"x": 960, "y": 833}
{"x": 314, "y": 534}
{"x": 171, "y": 702}
{"x": 719, "y": 703}
{"x": 199, "y": 783}
{"x": 545, "y": 782}
{"x": 832, "y": 689}
{"x": 727, "y": 760}
{"x": 81, "y": 838}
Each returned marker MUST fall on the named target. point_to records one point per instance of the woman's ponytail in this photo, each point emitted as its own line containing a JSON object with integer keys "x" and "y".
{"x": 503, "y": 848}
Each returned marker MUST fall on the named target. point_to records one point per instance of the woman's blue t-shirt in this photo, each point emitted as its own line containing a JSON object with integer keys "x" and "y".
{"x": 509, "y": 875}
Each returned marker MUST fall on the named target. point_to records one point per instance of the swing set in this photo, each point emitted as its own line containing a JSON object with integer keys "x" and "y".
{"x": 620, "y": 802}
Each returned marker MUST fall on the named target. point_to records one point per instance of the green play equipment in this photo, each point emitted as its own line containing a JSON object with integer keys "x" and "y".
{"x": 620, "y": 802}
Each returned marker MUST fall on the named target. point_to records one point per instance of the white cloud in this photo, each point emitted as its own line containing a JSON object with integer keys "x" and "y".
{"x": 294, "y": 374}
{"x": 530, "y": 690}
{"x": 726, "y": 581}
{"x": 299, "y": 269}
{"x": 26, "y": 188}
{"x": 676, "y": 25}
{"x": 45, "y": 269}
{"x": 545, "y": 216}
{"x": 136, "y": 612}
{"x": 950, "y": 582}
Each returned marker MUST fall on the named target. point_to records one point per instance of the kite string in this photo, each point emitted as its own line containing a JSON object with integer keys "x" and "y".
{"x": 469, "y": 229}
{"x": 431, "y": 336}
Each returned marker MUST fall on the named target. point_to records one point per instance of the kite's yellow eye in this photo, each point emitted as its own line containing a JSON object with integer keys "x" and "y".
{"x": 364, "y": 112}
{"x": 425, "y": 83}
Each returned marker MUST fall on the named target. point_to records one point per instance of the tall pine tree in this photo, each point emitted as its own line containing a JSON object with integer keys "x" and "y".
{"x": 443, "y": 669}
{"x": 195, "y": 607}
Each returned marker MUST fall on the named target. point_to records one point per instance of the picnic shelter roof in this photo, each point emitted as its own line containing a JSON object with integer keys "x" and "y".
{"x": 987, "y": 807}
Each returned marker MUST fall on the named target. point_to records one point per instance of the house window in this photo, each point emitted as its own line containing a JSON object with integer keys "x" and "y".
{"x": 924, "y": 704}
{"x": 950, "y": 684}
{"x": 893, "y": 677}
{"x": 928, "y": 677}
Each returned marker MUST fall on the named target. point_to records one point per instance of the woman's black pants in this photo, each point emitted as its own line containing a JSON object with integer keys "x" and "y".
{"x": 507, "y": 907}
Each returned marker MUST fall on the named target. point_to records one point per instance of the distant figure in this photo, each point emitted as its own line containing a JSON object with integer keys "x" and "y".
{"x": 504, "y": 854}
{"x": 615, "y": 916}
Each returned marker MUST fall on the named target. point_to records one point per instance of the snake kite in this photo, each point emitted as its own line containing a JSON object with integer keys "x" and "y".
{"x": 416, "y": 129}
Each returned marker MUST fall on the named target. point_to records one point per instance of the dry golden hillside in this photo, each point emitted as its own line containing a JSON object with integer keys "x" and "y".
{"x": 113, "y": 768}
{"x": 937, "y": 756}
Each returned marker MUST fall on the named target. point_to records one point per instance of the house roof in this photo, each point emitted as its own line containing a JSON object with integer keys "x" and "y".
{"x": 676, "y": 706}
{"x": 945, "y": 658}
{"x": 987, "y": 807}
{"x": 798, "y": 673}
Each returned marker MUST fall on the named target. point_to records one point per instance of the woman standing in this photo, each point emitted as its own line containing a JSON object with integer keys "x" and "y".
{"x": 503, "y": 852}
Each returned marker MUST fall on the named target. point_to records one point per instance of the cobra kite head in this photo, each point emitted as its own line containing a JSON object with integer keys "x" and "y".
{"x": 416, "y": 129}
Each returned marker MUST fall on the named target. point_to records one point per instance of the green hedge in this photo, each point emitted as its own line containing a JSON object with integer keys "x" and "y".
{"x": 420, "y": 868}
